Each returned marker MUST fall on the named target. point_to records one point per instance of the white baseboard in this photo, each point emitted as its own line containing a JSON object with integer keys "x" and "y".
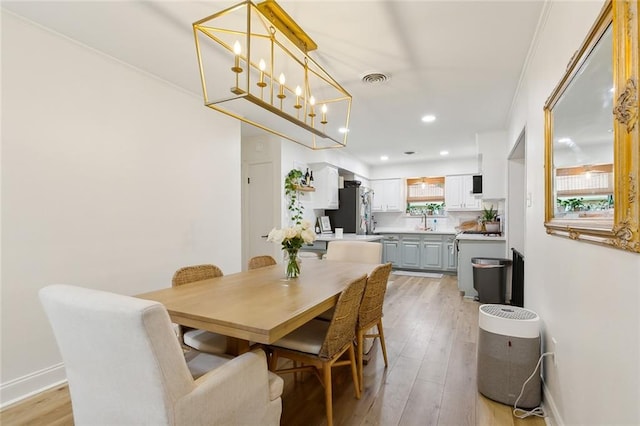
{"x": 553, "y": 415}
{"x": 23, "y": 387}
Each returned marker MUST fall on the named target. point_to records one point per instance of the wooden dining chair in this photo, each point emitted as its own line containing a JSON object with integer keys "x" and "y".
{"x": 318, "y": 344}
{"x": 261, "y": 261}
{"x": 201, "y": 340}
{"x": 370, "y": 315}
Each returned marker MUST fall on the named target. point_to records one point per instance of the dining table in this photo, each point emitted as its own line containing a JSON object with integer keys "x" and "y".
{"x": 259, "y": 305}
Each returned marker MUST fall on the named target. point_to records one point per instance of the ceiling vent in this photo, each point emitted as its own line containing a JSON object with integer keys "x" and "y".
{"x": 375, "y": 78}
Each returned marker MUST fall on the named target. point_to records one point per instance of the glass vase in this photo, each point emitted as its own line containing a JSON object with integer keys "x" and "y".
{"x": 292, "y": 262}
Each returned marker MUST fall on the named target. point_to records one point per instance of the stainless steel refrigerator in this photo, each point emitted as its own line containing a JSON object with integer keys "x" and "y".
{"x": 354, "y": 214}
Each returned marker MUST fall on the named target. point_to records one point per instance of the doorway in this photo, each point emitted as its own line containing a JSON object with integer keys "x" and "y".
{"x": 259, "y": 198}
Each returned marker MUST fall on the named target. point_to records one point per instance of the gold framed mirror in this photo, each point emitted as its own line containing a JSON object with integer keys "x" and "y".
{"x": 592, "y": 136}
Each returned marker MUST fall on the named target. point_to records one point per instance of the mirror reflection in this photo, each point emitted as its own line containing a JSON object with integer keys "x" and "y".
{"x": 583, "y": 138}
{"x": 592, "y": 136}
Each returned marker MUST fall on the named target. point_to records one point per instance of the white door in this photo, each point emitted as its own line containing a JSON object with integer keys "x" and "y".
{"x": 260, "y": 205}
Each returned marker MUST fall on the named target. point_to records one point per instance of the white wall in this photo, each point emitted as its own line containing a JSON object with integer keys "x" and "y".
{"x": 587, "y": 296}
{"x": 111, "y": 179}
{"x": 426, "y": 168}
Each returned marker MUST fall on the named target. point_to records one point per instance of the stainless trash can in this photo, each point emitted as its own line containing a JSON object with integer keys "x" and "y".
{"x": 490, "y": 278}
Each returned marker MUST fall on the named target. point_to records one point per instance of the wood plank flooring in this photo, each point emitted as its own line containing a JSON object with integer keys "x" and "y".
{"x": 431, "y": 341}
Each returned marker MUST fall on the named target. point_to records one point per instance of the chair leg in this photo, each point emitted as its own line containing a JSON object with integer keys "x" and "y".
{"x": 360, "y": 355}
{"x": 273, "y": 362}
{"x": 382, "y": 344}
{"x": 354, "y": 370}
{"x": 327, "y": 393}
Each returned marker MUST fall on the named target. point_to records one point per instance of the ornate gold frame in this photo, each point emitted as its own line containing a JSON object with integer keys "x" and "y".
{"x": 622, "y": 231}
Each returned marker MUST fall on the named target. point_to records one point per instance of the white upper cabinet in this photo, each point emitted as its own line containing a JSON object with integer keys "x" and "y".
{"x": 388, "y": 195}
{"x": 326, "y": 179}
{"x": 458, "y": 193}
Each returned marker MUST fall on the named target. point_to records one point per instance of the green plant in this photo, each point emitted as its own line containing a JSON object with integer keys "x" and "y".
{"x": 573, "y": 204}
{"x": 490, "y": 214}
{"x": 432, "y": 207}
{"x": 291, "y": 183}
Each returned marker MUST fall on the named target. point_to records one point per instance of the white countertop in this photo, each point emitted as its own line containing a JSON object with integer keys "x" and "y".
{"x": 348, "y": 237}
{"x": 391, "y": 230}
{"x": 480, "y": 237}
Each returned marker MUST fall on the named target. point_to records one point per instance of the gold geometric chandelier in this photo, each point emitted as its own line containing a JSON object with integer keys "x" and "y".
{"x": 254, "y": 66}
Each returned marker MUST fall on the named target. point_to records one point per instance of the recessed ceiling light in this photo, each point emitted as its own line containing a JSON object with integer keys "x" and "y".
{"x": 564, "y": 140}
{"x": 429, "y": 118}
{"x": 343, "y": 130}
{"x": 444, "y": 152}
{"x": 384, "y": 157}
{"x": 409, "y": 152}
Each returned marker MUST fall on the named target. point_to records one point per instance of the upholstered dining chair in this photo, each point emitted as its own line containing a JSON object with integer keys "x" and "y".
{"x": 370, "y": 315}
{"x": 201, "y": 340}
{"x": 125, "y": 367}
{"x": 354, "y": 251}
{"x": 261, "y": 261}
{"x": 318, "y": 344}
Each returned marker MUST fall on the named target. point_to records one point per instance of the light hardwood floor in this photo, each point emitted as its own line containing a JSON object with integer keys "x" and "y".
{"x": 431, "y": 334}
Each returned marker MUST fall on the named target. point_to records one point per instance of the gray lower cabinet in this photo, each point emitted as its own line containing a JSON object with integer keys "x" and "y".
{"x": 432, "y": 252}
{"x": 391, "y": 250}
{"x": 435, "y": 252}
{"x": 451, "y": 255}
{"x": 410, "y": 252}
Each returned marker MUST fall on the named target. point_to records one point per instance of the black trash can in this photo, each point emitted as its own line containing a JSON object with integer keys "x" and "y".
{"x": 490, "y": 278}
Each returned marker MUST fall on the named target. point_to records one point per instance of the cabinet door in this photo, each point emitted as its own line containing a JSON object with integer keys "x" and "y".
{"x": 411, "y": 252}
{"x": 388, "y": 195}
{"x": 326, "y": 183}
{"x": 378, "y": 189}
{"x": 393, "y": 190}
{"x": 452, "y": 256}
{"x": 452, "y": 192}
{"x": 470, "y": 201}
{"x": 458, "y": 193}
{"x": 432, "y": 254}
{"x": 332, "y": 195}
{"x": 391, "y": 250}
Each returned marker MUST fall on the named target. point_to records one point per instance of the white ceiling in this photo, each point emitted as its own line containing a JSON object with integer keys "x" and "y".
{"x": 458, "y": 60}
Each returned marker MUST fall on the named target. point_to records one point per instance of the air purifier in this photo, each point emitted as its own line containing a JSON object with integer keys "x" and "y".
{"x": 508, "y": 352}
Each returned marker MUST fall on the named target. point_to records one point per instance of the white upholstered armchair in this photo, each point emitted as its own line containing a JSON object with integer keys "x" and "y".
{"x": 125, "y": 366}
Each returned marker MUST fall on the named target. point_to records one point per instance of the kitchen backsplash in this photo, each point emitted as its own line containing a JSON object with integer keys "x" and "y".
{"x": 447, "y": 222}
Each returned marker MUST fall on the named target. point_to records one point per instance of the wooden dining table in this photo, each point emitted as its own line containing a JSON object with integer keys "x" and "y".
{"x": 259, "y": 305}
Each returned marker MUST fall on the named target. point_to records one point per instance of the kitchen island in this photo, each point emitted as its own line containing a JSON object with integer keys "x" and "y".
{"x": 319, "y": 246}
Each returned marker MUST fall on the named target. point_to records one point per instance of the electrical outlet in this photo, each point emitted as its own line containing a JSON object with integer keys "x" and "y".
{"x": 554, "y": 349}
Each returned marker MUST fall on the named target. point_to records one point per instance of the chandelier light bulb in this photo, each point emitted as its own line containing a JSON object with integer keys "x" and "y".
{"x": 237, "y": 49}
{"x": 281, "y": 94}
{"x": 312, "y": 102}
{"x": 324, "y": 114}
{"x": 298, "y": 93}
{"x": 261, "y": 83}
